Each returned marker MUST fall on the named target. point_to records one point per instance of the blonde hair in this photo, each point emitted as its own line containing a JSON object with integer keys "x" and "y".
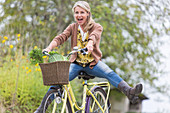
{"x": 85, "y": 6}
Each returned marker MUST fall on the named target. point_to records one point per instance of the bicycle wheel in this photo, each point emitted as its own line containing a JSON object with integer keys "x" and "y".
{"x": 100, "y": 95}
{"x": 52, "y": 102}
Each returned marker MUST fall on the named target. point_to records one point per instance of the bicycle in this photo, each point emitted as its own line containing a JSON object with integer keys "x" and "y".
{"x": 61, "y": 99}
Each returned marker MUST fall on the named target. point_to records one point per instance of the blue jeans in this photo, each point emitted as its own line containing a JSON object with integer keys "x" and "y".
{"x": 100, "y": 70}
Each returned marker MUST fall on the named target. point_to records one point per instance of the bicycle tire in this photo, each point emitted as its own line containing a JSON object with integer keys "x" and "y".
{"x": 48, "y": 104}
{"x": 100, "y": 95}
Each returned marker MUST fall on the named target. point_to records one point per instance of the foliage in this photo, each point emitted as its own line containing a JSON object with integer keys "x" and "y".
{"x": 35, "y": 56}
{"x": 133, "y": 50}
{"x": 21, "y": 85}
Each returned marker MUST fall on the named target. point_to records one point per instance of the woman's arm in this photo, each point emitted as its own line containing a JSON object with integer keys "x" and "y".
{"x": 96, "y": 33}
{"x": 52, "y": 45}
{"x": 94, "y": 36}
{"x": 60, "y": 39}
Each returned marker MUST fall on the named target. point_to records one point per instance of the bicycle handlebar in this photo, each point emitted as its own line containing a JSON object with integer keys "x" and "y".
{"x": 75, "y": 50}
{"x": 46, "y": 53}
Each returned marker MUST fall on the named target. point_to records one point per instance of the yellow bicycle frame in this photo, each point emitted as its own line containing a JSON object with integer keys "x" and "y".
{"x": 70, "y": 95}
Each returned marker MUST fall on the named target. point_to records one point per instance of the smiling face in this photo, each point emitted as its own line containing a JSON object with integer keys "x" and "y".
{"x": 80, "y": 15}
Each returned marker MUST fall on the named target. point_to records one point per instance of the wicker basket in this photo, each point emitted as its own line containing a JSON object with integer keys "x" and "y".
{"x": 55, "y": 73}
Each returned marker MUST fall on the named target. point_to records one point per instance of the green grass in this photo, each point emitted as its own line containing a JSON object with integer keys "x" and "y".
{"x": 21, "y": 85}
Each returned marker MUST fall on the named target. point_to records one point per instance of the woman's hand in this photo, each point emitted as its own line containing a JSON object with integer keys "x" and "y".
{"x": 89, "y": 46}
{"x": 47, "y": 49}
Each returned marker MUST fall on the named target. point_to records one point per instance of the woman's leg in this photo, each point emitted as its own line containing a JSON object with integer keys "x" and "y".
{"x": 74, "y": 71}
{"x": 103, "y": 71}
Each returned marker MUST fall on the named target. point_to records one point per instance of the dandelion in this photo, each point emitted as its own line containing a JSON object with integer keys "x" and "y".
{"x": 36, "y": 64}
{"x": 18, "y": 35}
{"x": 11, "y": 46}
{"x": 44, "y": 56}
{"x": 3, "y": 41}
{"x": 29, "y": 70}
{"x": 11, "y": 59}
{"x": 26, "y": 68}
{"x": 35, "y": 47}
{"x": 38, "y": 69}
{"x": 5, "y": 37}
{"x": 18, "y": 39}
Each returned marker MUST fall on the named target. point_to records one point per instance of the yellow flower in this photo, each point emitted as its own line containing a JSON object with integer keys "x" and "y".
{"x": 18, "y": 39}
{"x": 68, "y": 52}
{"x": 5, "y": 37}
{"x": 11, "y": 59}
{"x": 29, "y": 70}
{"x": 36, "y": 64}
{"x": 18, "y": 35}
{"x": 3, "y": 41}
{"x": 35, "y": 47}
{"x": 23, "y": 57}
{"x": 38, "y": 69}
{"x": 44, "y": 56}
{"x": 22, "y": 67}
{"x": 11, "y": 46}
{"x": 56, "y": 48}
{"x": 26, "y": 68}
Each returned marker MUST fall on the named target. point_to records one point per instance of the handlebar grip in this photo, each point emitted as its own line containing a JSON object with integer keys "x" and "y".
{"x": 45, "y": 53}
{"x": 84, "y": 51}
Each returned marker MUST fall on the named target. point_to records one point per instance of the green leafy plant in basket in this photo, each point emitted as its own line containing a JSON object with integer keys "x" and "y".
{"x": 35, "y": 56}
{"x": 55, "y": 56}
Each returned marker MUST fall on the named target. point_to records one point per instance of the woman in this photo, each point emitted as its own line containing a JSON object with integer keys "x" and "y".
{"x": 86, "y": 33}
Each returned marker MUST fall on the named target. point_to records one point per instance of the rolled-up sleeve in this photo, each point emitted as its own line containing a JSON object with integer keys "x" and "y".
{"x": 61, "y": 38}
{"x": 96, "y": 33}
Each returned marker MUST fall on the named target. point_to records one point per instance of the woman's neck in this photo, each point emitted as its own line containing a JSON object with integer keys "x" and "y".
{"x": 82, "y": 27}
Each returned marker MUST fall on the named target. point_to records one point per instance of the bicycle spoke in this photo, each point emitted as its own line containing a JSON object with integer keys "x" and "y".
{"x": 100, "y": 97}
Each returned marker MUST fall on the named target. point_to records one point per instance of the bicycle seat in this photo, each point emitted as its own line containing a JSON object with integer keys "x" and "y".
{"x": 85, "y": 76}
